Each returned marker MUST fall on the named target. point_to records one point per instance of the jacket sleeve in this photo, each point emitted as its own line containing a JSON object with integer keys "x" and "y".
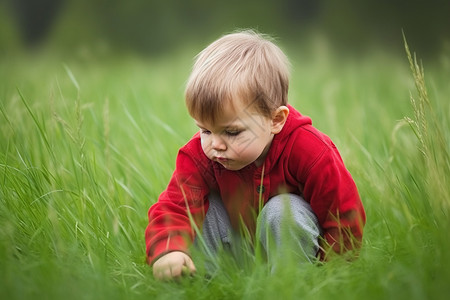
{"x": 333, "y": 196}
{"x": 180, "y": 208}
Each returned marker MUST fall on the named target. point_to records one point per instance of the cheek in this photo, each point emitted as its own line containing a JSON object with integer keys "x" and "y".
{"x": 206, "y": 145}
{"x": 247, "y": 148}
{"x": 255, "y": 147}
{"x": 238, "y": 145}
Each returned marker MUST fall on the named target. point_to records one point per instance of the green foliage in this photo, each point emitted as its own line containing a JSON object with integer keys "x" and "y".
{"x": 158, "y": 26}
{"x": 88, "y": 143}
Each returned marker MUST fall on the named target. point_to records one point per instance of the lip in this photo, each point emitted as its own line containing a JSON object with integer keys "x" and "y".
{"x": 222, "y": 159}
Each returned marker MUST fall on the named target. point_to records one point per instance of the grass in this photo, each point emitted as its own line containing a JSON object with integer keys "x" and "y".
{"x": 87, "y": 143}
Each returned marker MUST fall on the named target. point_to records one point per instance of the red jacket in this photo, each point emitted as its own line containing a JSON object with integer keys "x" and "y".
{"x": 301, "y": 160}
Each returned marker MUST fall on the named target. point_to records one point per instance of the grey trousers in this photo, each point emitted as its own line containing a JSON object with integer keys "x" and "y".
{"x": 285, "y": 222}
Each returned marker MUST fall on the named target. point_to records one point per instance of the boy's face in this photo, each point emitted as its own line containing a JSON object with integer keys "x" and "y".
{"x": 238, "y": 137}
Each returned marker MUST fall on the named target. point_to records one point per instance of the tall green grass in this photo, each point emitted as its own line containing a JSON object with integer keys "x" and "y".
{"x": 87, "y": 143}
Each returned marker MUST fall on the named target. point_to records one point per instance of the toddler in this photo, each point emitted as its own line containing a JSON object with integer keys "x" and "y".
{"x": 254, "y": 155}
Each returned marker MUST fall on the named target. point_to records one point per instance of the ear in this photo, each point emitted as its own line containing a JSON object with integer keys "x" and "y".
{"x": 279, "y": 118}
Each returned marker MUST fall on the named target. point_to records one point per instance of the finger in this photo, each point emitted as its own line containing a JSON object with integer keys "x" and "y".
{"x": 167, "y": 273}
{"x": 175, "y": 272}
{"x": 189, "y": 264}
{"x": 160, "y": 274}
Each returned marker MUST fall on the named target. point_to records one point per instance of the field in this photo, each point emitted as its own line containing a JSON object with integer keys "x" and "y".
{"x": 88, "y": 142}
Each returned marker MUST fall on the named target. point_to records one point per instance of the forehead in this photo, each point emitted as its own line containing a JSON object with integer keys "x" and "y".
{"x": 234, "y": 113}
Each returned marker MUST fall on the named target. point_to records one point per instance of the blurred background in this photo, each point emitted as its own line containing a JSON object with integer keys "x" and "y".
{"x": 151, "y": 27}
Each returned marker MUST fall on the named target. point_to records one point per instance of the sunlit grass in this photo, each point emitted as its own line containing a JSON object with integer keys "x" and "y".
{"x": 88, "y": 143}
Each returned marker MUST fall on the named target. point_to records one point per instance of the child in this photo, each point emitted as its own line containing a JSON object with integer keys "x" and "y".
{"x": 254, "y": 152}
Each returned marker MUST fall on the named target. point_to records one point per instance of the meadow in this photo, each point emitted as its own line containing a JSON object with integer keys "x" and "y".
{"x": 88, "y": 141}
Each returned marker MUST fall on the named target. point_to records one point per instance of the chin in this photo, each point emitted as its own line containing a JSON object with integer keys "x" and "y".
{"x": 235, "y": 167}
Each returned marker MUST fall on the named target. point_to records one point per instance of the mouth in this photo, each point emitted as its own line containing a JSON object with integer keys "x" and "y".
{"x": 222, "y": 160}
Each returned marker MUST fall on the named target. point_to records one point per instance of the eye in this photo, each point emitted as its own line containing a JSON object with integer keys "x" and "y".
{"x": 232, "y": 132}
{"x": 204, "y": 131}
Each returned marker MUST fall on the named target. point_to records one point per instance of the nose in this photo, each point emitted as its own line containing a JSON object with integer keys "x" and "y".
{"x": 217, "y": 143}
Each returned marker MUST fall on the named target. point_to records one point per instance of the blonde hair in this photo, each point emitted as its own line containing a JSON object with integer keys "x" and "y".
{"x": 244, "y": 65}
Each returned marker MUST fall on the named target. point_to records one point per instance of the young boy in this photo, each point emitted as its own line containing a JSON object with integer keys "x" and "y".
{"x": 254, "y": 153}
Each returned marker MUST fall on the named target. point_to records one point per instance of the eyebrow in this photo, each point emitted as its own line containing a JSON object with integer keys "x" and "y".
{"x": 231, "y": 125}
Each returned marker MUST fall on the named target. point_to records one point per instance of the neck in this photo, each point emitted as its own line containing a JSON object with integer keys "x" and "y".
{"x": 260, "y": 160}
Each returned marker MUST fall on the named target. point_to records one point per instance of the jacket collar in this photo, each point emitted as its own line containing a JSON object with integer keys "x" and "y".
{"x": 294, "y": 120}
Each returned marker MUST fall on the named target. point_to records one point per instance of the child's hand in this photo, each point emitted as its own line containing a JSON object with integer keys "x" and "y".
{"x": 173, "y": 265}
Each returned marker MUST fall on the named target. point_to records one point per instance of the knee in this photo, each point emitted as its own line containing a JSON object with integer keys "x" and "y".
{"x": 288, "y": 209}
{"x": 281, "y": 206}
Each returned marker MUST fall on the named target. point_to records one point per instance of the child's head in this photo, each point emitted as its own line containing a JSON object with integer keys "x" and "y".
{"x": 237, "y": 94}
{"x": 243, "y": 65}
